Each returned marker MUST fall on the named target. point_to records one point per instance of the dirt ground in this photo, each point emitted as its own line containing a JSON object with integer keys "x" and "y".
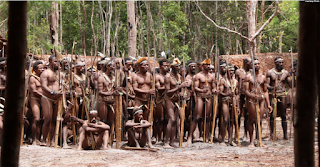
{"x": 276, "y": 153}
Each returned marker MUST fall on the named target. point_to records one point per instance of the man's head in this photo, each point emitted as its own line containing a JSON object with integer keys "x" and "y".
{"x": 279, "y": 63}
{"x": 109, "y": 66}
{"x": 80, "y": 65}
{"x": 199, "y": 65}
{"x": 223, "y": 65}
{"x": 192, "y": 66}
{"x": 128, "y": 63}
{"x": 53, "y": 61}
{"x": 117, "y": 63}
{"x": 206, "y": 65}
{"x": 65, "y": 62}
{"x": 211, "y": 69}
{"x": 38, "y": 67}
{"x": 230, "y": 69}
{"x": 143, "y": 64}
{"x": 137, "y": 114}
{"x": 164, "y": 65}
{"x": 256, "y": 64}
{"x": 247, "y": 63}
{"x": 175, "y": 65}
{"x": 93, "y": 114}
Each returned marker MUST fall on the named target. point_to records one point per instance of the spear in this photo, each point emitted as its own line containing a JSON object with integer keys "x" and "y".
{"x": 257, "y": 105}
{"x": 183, "y": 108}
{"x": 72, "y": 97}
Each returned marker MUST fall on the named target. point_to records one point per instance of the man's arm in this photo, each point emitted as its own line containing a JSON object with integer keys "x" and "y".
{"x": 266, "y": 95}
{"x": 158, "y": 84}
{"x": 197, "y": 84}
{"x": 101, "y": 126}
{"x": 100, "y": 87}
{"x": 136, "y": 88}
{"x": 246, "y": 88}
{"x": 44, "y": 82}
{"x": 268, "y": 76}
{"x": 33, "y": 87}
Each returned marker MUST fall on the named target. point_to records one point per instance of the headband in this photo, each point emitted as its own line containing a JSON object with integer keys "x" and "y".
{"x": 93, "y": 112}
{"x": 80, "y": 64}
{"x": 136, "y": 112}
{"x": 280, "y": 59}
{"x": 223, "y": 65}
{"x": 3, "y": 62}
{"x": 192, "y": 64}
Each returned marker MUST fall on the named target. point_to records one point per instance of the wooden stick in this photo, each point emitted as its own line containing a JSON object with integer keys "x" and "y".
{"x": 118, "y": 116}
{"x": 183, "y": 109}
{"x": 274, "y": 101}
{"x": 258, "y": 123}
{"x": 205, "y": 121}
{"x": 58, "y": 122}
{"x": 292, "y": 86}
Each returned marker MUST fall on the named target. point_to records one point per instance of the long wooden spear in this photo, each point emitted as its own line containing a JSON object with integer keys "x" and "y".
{"x": 183, "y": 108}
{"x": 215, "y": 102}
{"x": 292, "y": 86}
{"x": 257, "y": 105}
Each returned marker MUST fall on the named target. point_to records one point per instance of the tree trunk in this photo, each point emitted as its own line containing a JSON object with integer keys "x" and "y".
{"x": 16, "y": 52}
{"x": 251, "y": 16}
{"x": 54, "y": 16}
{"x": 109, "y": 28}
{"x": 61, "y": 44}
{"x": 103, "y": 45}
{"x": 148, "y": 26}
{"x": 280, "y": 41}
{"x": 160, "y": 28}
{"x": 83, "y": 36}
{"x": 132, "y": 32}
{"x": 94, "y": 34}
{"x": 262, "y": 15}
{"x": 306, "y": 95}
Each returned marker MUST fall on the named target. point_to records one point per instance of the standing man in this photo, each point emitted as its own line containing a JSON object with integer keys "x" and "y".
{"x": 278, "y": 77}
{"x": 173, "y": 84}
{"x": 204, "y": 86}
{"x": 240, "y": 75}
{"x": 35, "y": 92}
{"x": 256, "y": 95}
{"x": 80, "y": 87}
{"x": 142, "y": 86}
{"x": 160, "y": 106}
{"x": 50, "y": 94}
{"x": 106, "y": 88}
{"x": 228, "y": 88}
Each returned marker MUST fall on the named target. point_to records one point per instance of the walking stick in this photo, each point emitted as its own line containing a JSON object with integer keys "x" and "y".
{"x": 150, "y": 118}
{"x": 183, "y": 109}
{"x": 118, "y": 111}
{"x": 25, "y": 98}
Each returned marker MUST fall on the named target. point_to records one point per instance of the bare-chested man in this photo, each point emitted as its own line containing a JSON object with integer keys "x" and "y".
{"x": 277, "y": 78}
{"x": 160, "y": 106}
{"x": 50, "y": 94}
{"x": 173, "y": 84}
{"x": 106, "y": 87}
{"x": 142, "y": 86}
{"x": 228, "y": 88}
{"x": 99, "y": 130}
{"x": 240, "y": 75}
{"x": 256, "y": 94}
{"x": 80, "y": 87}
{"x": 204, "y": 87}
{"x": 138, "y": 130}
{"x": 35, "y": 92}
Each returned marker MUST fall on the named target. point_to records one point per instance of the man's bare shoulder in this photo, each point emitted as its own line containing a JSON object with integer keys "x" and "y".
{"x": 239, "y": 71}
{"x": 45, "y": 73}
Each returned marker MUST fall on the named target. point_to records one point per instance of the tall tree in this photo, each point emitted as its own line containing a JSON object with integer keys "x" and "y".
{"x": 132, "y": 31}
{"x": 54, "y": 16}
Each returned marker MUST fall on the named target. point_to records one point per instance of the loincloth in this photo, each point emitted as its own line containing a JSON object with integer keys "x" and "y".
{"x": 282, "y": 94}
{"x": 106, "y": 99}
{"x": 35, "y": 98}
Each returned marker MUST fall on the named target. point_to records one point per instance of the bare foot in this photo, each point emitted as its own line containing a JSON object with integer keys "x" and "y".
{"x": 251, "y": 145}
{"x": 151, "y": 146}
{"x": 173, "y": 145}
{"x": 106, "y": 148}
{"x": 167, "y": 146}
{"x": 65, "y": 146}
{"x": 79, "y": 148}
{"x": 189, "y": 141}
{"x": 43, "y": 144}
{"x": 36, "y": 142}
{"x": 222, "y": 144}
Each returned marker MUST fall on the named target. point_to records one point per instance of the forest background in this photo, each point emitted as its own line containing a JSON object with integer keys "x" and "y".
{"x": 174, "y": 26}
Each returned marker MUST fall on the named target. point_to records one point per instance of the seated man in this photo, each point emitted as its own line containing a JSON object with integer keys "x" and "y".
{"x": 99, "y": 130}
{"x": 138, "y": 130}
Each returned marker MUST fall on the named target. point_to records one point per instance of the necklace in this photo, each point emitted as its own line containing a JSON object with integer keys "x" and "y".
{"x": 178, "y": 82}
{"x": 276, "y": 72}
{"x": 35, "y": 76}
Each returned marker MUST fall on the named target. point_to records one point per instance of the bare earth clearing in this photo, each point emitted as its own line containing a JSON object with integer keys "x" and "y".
{"x": 278, "y": 153}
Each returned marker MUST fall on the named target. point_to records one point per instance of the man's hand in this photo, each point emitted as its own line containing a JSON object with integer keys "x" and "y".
{"x": 184, "y": 84}
{"x": 91, "y": 125}
{"x": 152, "y": 92}
{"x": 73, "y": 118}
{"x": 270, "y": 109}
{"x": 231, "y": 94}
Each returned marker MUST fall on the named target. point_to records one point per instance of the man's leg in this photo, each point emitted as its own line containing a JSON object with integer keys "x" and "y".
{"x": 35, "y": 106}
{"x": 224, "y": 121}
{"x": 146, "y": 138}
{"x": 158, "y": 121}
{"x": 47, "y": 116}
{"x": 208, "y": 117}
{"x": 251, "y": 121}
{"x": 83, "y": 141}
{"x": 171, "y": 122}
{"x": 132, "y": 140}
{"x": 53, "y": 123}
{"x": 103, "y": 138}
{"x": 283, "y": 115}
{"x": 196, "y": 119}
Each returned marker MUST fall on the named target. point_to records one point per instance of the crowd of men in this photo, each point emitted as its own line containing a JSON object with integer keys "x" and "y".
{"x": 159, "y": 105}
